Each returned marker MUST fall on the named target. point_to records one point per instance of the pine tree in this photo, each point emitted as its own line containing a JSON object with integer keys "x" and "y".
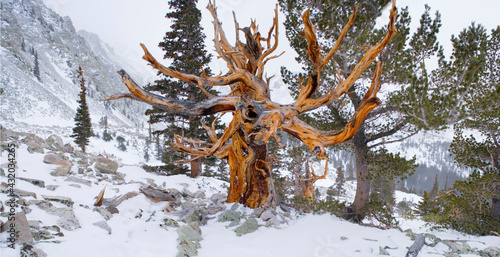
{"x": 340, "y": 181}
{"x": 36, "y": 67}
{"x": 404, "y": 64}
{"x": 435, "y": 188}
{"x": 184, "y": 46}
{"x": 83, "y": 126}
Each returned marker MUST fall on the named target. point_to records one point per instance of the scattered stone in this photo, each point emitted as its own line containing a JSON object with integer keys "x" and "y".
{"x": 68, "y": 148}
{"x": 61, "y": 199}
{"x": 52, "y": 187}
{"x": 216, "y": 197}
{"x": 249, "y": 226}
{"x": 267, "y": 215}
{"x": 36, "y": 182}
{"x": 343, "y": 238}
{"x": 188, "y": 233}
{"x": 21, "y": 226}
{"x": 54, "y": 143}
{"x": 235, "y": 206}
{"x": 458, "y": 247}
{"x": 23, "y": 193}
{"x": 257, "y": 212}
{"x": 158, "y": 195}
{"x": 115, "y": 201}
{"x": 273, "y": 222}
{"x": 104, "y": 212}
{"x": 106, "y": 165}
{"x": 75, "y": 185}
{"x": 52, "y": 158}
{"x": 30, "y": 250}
{"x": 213, "y": 209}
{"x": 63, "y": 169}
{"x": 112, "y": 209}
{"x": 35, "y": 223}
{"x": 491, "y": 251}
{"x": 186, "y": 192}
{"x": 170, "y": 222}
{"x": 229, "y": 215}
{"x": 79, "y": 180}
{"x": 199, "y": 194}
{"x": 42, "y": 204}
{"x": 35, "y": 148}
{"x": 382, "y": 251}
{"x": 104, "y": 225}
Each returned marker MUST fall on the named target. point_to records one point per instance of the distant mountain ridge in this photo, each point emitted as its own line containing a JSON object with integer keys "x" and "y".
{"x": 29, "y": 28}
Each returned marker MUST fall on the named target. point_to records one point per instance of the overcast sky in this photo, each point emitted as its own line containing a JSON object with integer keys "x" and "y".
{"x": 125, "y": 23}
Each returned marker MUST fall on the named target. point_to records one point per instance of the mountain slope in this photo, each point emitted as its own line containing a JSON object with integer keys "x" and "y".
{"x": 29, "y": 28}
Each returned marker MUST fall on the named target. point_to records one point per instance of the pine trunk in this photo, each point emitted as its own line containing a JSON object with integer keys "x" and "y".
{"x": 196, "y": 168}
{"x": 251, "y": 183}
{"x": 354, "y": 212}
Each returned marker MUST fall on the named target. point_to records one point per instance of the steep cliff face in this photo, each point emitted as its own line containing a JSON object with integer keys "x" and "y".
{"x": 29, "y": 31}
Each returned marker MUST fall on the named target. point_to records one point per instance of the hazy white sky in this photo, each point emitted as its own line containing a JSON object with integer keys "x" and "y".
{"x": 125, "y": 23}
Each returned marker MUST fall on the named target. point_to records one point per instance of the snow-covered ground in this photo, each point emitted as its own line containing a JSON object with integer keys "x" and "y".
{"x": 135, "y": 230}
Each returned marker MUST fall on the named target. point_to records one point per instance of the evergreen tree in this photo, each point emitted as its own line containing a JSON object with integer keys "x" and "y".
{"x": 405, "y": 111}
{"x": 121, "y": 143}
{"x": 83, "y": 126}
{"x": 426, "y": 206}
{"x": 36, "y": 67}
{"x": 435, "y": 188}
{"x": 340, "y": 181}
{"x": 184, "y": 46}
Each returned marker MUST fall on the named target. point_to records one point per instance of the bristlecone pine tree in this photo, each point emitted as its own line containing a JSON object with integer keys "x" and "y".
{"x": 184, "y": 46}
{"x": 83, "y": 127}
{"x": 405, "y": 112}
{"x": 255, "y": 116}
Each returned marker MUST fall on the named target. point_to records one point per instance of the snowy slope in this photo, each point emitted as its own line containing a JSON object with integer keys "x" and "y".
{"x": 138, "y": 229}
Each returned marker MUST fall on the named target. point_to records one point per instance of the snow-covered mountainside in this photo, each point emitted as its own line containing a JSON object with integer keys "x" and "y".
{"x": 31, "y": 29}
{"x": 144, "y": 214}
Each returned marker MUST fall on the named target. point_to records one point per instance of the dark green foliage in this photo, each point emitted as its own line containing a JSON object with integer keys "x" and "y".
{"x": 340, "y": 181}
{"x": 121, "y": 143}
{"x": 184, "y": 46}
{"x": 427, "y": 206}
{"x": 468, "y": 207}
{"x": 36, "y": 67}
{"x": 405, "y": 111}
{"x": 331, "y": 206}
{"x": 435, "y": 188}
{"x": 83, "y": 126}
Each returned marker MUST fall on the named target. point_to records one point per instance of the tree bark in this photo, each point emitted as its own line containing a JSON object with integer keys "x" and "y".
{"x": 196, "y": 168}
{"x": 354, "y": 212}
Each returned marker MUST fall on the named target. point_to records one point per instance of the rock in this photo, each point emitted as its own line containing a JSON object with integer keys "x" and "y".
{"x": 107, "y": 215}
{"x": 213, "y": 209}
{"x": 229, "y": 215}
{"x": 54, "y": 143}
{"x": 199, "y": 194}
{"x": 42, "y": 204}
{"x": 248, "y": 226}
{"x": 68, "y": 148}
{"x": 257, "y": 212}
{"x": 235, "y": 206}
{"x": 106, "y": 165}
{"x": 52, "y": 187}
{"x": 79, "y": 180}
{"x": 36, "y": 182}
{"x": 343, "y": 238}
{"x": 382, "y": 251}
{"x": 35, "y": 148}
{"x": 216, "y": 197}
{"x": 158, "y": 195}
{"x": 21, "y": 227}
{"x": 62, "y": 170}
{"x": 52, "y": 158}
{"x": 170, "y": 222}
{"x": 457, "y": 247}
{"x": 29, "y": 250}
{"x": 491, "y": 251}
{"x": 104, "y": 225}
{"x": 67, "y": 219}
{"x": 24, "y": 193}
{"x": 61, "y": 199}
{"x": 267, "y": 215}
{"x": 188, "y": 233}
{"x": 115, "y": 201}
{"x": 112, "y": 209}
{"x": 273, "y": 222}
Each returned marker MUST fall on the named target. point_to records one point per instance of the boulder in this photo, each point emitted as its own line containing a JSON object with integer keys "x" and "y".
{"x": 491, "y": 251}
{"x": 104, "y": 225}
{"x": 229, "y": 215}
{"x": 68, "y": 148}
{"x": 158, "y": 195}
{"x": 79, "y": 180}
{"x": 22, "y": 227}
{"x": 67, "y": 218}
{"x": 63, "y": 169}
{"x": 249, "y": 226}
{"x": 60, "y": 199}
{"x": 52, "y": 158}
{"x": 106, "y": 165}
{"x": 36, "y": 182}
{"x": 54, "y": 143}
{"x": 267, "y": 215}
{"x": 34, "y": 147}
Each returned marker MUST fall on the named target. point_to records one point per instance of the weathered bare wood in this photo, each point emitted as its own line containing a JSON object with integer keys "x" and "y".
{"x": 416, "y": 246}
{"x": 255, "y": 116}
